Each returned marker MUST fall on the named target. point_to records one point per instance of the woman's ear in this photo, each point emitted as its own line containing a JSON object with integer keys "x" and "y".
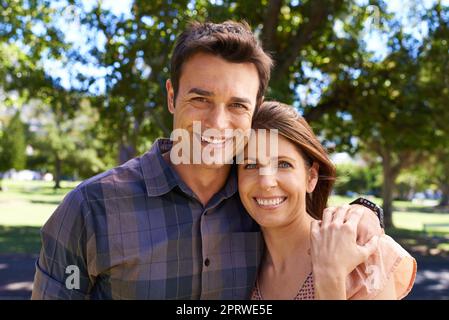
{"x": 312, "y": 178}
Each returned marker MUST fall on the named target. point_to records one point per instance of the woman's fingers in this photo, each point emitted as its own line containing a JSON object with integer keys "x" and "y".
{"x": 327, "y": 216}
{"x": 354, "y": 219}
{"x": 370, "y": 247}
{"x": 314, "y": 229}
{"x": 340, "y": 214}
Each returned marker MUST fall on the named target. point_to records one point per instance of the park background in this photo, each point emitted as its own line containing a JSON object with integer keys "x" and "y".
{"x": 82, "y": 90}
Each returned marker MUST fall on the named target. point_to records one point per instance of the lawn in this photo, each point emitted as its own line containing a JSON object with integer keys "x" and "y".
{"x": 25, "y": 206}
{"x": 410, "y": 216}
{"x": 30, "y": 203}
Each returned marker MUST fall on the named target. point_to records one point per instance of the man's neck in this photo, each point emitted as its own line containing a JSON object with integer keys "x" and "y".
{"x": 204, "y": 181}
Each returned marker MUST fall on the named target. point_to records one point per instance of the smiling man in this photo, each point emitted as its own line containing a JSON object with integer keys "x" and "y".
{"x": 155, "y": 228}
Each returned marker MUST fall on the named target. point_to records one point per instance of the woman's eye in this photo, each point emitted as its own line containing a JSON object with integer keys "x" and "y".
{"x": 284, "y": 164}
{"x": 250, "y": 166}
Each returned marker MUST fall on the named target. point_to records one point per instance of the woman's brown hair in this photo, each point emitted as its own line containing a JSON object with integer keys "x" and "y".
{"x": 292, "y": 126}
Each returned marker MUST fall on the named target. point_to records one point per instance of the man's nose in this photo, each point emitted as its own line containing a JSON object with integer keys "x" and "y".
{"x": 218, "y": 118}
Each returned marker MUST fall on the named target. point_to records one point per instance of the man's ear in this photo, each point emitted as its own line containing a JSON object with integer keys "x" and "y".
{"x": 312, "y": 178}
{"x": 170, "y": 96}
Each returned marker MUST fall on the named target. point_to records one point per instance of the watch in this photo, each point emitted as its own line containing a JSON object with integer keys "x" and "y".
{"x": 374, "y": 207}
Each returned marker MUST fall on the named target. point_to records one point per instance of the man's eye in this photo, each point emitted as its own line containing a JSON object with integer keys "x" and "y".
{"x": 239, "y": 105}
{"x": 200, "y": 99}
{"x": 251, "y": 166}
{"x": 284, "y": 164}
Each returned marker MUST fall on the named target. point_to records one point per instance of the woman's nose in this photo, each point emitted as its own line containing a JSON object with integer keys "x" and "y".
{"x": 267, "y": 179}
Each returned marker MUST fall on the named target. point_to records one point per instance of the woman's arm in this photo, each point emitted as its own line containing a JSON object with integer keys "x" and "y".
{"x": 327, "y": 286}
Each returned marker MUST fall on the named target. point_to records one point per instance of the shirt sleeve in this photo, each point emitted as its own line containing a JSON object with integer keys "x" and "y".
{"x": 389, "y": 261}
{"x": 62, "y": 267}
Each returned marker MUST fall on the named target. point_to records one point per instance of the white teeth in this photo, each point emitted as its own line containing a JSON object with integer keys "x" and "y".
{"x": 270, "y": 202}
{"x": 212, "y": 140}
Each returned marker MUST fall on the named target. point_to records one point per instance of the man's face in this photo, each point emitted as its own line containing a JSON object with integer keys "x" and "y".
{"x": 218, "y": 95}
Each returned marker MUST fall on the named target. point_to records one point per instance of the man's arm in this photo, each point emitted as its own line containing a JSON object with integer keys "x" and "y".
{"x": 61, "y": 270}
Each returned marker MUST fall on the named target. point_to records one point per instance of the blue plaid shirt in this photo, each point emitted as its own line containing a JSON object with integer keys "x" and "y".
{"x": 139, "y": 232}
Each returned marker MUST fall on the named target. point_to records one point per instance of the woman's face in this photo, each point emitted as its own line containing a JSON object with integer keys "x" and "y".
{"x": 276, "y": 198}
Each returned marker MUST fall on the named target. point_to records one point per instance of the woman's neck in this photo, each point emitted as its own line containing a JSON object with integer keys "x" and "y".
{"x": 288, "y": 244}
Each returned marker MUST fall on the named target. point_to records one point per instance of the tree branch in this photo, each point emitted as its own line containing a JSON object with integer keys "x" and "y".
{"x": 306, "y": 32}
{"x": 313, "y": 114}
{"x": 339, "y": 100}
{"x": 270, "y": 24}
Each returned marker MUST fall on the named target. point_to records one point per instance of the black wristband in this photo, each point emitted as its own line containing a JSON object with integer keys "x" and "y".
{"x": 374, "y": 207}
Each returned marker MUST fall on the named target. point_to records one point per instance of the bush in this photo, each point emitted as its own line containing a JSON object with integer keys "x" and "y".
{"x": 353, "y": 178}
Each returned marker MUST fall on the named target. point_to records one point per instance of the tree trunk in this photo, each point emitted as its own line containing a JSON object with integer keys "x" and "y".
{"x": 57, "y": 178}
{"x": 1, "y": 181}
{"x": 126, "y": 152}
{"x": 445, "y": 196}
{"x": 387, "y": 190}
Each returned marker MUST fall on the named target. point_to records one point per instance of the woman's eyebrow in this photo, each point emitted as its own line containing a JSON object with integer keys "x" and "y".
{"x": 250, "y": 159}
{"x": 284, "y": 157}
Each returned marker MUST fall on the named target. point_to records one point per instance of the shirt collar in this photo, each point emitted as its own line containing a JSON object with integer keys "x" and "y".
{"x": 160, "y": 177}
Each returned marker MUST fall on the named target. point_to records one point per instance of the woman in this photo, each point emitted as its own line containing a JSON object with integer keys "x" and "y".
{"x": 311, "y": 252}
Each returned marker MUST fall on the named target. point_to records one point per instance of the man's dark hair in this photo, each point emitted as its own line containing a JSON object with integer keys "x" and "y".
{"x": 231, "y": 40}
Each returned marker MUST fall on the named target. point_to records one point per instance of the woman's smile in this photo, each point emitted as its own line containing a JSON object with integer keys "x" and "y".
{"x": 270, "y": 203}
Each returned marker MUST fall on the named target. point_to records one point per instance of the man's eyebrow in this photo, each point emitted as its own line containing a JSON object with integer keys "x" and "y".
{"x": 201, "y": 92}
{"x": 240, "y": 100}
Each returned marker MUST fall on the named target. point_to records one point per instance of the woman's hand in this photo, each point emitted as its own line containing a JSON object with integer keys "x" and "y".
{"x": 335, "y": 252}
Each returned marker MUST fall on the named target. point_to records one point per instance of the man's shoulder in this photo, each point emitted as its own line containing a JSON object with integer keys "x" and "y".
{"x": 121, "y": 181}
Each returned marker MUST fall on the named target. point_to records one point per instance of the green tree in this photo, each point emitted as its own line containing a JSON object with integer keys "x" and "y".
{"x": 362, "y": 179}
{"x": 66, "y": 144}
{"x": 434, "y": 78}
{"x": 388, "y": 115}
{"x": 317, "y": 45}
{"x": 134, "y": 50}
{"x": 12, "y": 146}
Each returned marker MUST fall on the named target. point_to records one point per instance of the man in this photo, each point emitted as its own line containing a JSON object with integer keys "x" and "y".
{"x": 153, "y": 229}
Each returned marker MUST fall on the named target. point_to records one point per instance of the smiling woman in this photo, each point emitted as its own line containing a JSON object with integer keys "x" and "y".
{"x": 312, "y": 252}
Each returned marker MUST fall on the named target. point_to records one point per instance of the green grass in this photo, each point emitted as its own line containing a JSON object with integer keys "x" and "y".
{"x": 408, "y": 215}
{"x": 30, "y": 203}
{"x": 26, "y": 206}
{"x": 20, "y": 239}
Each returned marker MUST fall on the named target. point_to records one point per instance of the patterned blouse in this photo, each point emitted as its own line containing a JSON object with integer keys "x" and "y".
{"x": 390, "y": 260}
{"x": 306, "y": 292}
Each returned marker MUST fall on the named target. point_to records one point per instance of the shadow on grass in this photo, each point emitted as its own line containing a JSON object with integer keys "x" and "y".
{"x": 422, "y": 209}
{"x": 424, "y": 244}
{"x": 20, "y": 239}
{"x": 45, "y": 202}
{"x": 46, "y": 191}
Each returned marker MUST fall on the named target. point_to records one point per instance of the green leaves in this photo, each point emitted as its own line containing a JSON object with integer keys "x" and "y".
{"x": 393, "y": 105}
{"x": 12, "y": 145}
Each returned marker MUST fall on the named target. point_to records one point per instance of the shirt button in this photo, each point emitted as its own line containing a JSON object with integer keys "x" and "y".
{"x": 207, "y": 262}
